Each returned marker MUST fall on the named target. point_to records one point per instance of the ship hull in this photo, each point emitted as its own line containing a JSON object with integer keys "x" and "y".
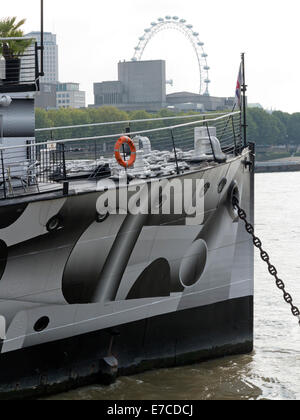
{"x": 177, "y": 339}
{"x": 85, "y": 299}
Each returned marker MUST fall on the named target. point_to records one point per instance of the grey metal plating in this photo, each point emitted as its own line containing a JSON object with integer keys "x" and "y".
{"x": 67, "y": 271}
{"x": 80, "y": 275}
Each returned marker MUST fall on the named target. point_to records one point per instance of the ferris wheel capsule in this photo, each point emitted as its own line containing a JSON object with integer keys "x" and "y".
{"x": 204, "y": 55}
{"x": 161, "y": 19}
{"x": 153, "y": 24}
{"x": 182, "y": 21}
{"x": 168, "y": 17}
{"x": 189, "y": 26}
{"x": 201, "y": 44}
{"x": 175, "y": 18}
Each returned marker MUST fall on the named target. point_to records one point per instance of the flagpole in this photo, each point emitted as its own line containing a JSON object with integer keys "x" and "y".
{"x": 42, "y": 39}
{"x": 244, "y": 90}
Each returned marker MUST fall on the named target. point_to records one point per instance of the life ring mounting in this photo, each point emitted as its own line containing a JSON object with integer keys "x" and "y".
{"x": 125, "y": 140}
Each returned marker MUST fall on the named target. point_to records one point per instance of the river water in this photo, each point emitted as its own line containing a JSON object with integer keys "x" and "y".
{"x": 273, "y": 370}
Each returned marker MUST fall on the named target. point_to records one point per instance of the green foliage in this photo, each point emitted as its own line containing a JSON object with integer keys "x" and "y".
{"x": 42, "y": 119}
{"x": 282, "y": 116}
{"x": 294, "y": 128}
{"x": 264, "y": 128}
{"x": 273, "y": 129}
{"x": 10, "y": 28}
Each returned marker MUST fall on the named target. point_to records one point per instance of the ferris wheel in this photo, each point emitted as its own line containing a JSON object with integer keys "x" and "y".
{"x": 186, "y": 29}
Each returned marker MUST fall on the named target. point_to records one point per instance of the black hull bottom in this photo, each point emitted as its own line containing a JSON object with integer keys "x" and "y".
{"x": 175, "y": 339}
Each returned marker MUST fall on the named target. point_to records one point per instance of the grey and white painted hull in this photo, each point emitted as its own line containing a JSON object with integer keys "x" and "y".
{"x": 182, "y": 293}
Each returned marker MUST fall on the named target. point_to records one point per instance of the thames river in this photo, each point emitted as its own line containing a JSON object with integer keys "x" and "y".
{"x": 272, "y": 371}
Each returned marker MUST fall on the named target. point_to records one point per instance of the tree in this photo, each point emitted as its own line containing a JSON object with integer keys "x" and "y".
{"x": 263, "y": 128}
{"x": 294, "y": 128}
{"x": 280, "y": 134}
{"x": 282, "y": 116}
{"x": 253, "y": 130}
{"x": 42, "y": 120}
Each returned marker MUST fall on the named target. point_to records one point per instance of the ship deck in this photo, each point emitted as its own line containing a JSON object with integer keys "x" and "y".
{"x": 38, "y": 169}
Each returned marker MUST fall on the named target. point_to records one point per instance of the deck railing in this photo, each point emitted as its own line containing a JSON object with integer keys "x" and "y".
{"x": 27, "y": 168}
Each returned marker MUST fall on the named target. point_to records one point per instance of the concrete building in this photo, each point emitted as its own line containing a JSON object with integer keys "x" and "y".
{"x": 46, "y": 98}
{"x": 68, "y": 95}
{"x": 193, "y": 101}
{"x": 143, "y": 82}
{"x": 108, "y": 93}
{"x": 140, "y": 85}
{"x": 50, "y": 56}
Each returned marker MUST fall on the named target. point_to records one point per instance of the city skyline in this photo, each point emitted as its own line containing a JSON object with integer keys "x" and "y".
{"x": 92, "y": 40}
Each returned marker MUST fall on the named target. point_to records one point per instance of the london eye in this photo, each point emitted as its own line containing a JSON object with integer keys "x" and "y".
{"x": 181, "y": 25}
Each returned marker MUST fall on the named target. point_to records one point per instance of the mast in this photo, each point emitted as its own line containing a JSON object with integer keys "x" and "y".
{"x": 244, "y": 90}
{"x": 42, "y": 39}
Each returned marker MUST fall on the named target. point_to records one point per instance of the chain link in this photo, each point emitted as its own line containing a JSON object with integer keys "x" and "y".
{"x": 265, "y": 257}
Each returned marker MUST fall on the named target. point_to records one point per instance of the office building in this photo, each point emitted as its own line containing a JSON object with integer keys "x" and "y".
{"x": 140, "y": 85}
{"x": 68, "y": 95}
{"x": 194, "y": 102}
{"x": 108, "y": 93}
{"x": 143, "y": 81}
{"x": 50, "y": 56}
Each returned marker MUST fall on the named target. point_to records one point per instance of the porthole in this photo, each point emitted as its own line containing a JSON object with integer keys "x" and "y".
{"x": 204, "y": 190}
{"x": 222, "y": 185}
{"x": 234, "y": 193}
{"x": 41, "y": 324}
{"x": 54, "y": 223}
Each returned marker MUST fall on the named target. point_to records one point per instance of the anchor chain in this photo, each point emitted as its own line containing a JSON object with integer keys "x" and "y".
{"x": 265, "y": 257}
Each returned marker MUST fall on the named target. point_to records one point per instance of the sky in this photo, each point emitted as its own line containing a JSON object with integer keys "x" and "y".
{"x": 94, "y": 35}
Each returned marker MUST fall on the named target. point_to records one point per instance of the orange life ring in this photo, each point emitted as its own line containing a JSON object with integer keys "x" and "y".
{"x": 118, "y": 156}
